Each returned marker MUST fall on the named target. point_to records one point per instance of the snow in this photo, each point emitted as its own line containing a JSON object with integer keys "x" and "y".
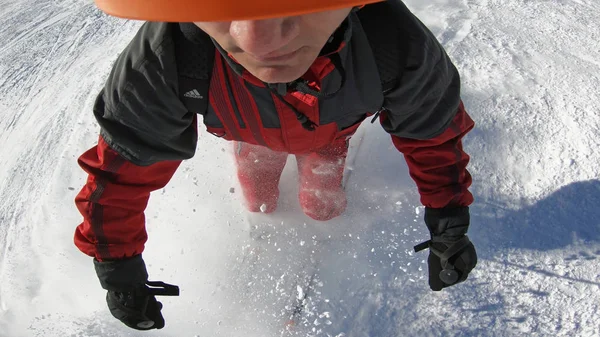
{"x": 263, "y": 208}
{"x": 530, "y": 75}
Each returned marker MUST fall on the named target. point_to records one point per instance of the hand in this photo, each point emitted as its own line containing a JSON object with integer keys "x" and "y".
{"x": 136, "y": 309}
{"x": 452, "y": 255}
{"x": 130, "y": 297}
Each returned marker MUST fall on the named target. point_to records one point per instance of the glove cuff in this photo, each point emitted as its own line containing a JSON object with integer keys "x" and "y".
{"x": 448, "y": 222}
{"x": 125, "y": 275}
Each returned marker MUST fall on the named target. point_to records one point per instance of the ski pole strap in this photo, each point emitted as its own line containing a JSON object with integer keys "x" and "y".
{"x": 156, "y": 288}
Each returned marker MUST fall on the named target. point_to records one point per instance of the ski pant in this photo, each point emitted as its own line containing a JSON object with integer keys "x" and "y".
{"x": 320, "y": 173}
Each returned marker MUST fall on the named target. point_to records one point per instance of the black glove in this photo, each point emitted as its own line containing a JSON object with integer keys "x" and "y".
{"x": 452, "y": 255}
{"x": 131, "y": 297}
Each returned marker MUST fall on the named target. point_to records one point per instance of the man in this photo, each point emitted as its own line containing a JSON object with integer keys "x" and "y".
{"x": 277, "y": 78}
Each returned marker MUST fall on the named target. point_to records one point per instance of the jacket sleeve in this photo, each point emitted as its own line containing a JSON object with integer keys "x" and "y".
{"x": 427, "y": 120}
{"x": 113, "y": 201}
{"x": 439, "y": 165}
{"x": 145, "y": 133}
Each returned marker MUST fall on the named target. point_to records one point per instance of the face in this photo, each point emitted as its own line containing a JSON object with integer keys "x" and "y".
{"x": 276, "y": 50}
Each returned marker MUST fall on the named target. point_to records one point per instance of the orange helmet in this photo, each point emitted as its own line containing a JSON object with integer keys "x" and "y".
{"x": 218, "y": 10}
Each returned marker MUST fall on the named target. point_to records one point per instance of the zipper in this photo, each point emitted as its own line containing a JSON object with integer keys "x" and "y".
{"x": 377, "y": 114}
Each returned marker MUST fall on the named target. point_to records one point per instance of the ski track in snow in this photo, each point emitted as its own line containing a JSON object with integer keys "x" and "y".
{"x": 530, "y": 75}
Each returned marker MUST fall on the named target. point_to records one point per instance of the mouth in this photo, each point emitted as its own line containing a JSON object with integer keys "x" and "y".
{"x": 276, "y": 57}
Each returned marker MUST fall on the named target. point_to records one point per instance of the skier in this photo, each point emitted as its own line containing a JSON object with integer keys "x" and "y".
{"x": 276, "y": 78}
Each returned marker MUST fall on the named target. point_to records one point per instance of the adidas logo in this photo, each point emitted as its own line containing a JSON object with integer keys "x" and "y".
{"x": 193, "y": 94}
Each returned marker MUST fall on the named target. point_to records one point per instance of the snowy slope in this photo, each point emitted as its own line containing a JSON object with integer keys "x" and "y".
{"x": 530, "y": 74}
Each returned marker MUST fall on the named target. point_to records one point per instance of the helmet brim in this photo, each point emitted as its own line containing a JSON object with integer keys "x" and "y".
{"x": 218, "y": 10}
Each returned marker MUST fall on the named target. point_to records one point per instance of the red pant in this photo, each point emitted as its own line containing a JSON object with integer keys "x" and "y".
{"x": 319, "y": 177}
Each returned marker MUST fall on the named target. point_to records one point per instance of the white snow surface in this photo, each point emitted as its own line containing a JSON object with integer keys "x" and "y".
{"x": 531, "y": 79}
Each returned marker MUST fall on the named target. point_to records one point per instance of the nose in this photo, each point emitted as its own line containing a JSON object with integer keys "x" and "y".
{"x": 263, "y": 37}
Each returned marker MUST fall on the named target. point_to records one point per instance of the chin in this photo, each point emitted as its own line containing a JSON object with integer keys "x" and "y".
{"x": 279, "y": 74}
{"x": 284, "y": 72}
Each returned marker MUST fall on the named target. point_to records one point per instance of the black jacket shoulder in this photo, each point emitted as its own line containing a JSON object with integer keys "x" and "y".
{"x": 139, "y": 110}
{"x": 427, "y": 94}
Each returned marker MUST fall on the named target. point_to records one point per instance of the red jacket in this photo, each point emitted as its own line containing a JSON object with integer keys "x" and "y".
{"x": 146, "y": 131}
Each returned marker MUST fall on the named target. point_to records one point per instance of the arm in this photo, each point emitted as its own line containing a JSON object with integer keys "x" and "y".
{"x": 145, "y": 133}
{"x": 439, "y": 165}
{"x": 427, "y": 120}
{"x": 113, "y": 201}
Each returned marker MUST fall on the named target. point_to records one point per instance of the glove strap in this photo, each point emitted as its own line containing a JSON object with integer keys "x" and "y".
{"x": 156, "y": 288}
{"x": 452, "y": 250}
{"x": 422, "y": 246}
{"x": 456, "y": 248}
{"x": 448, "y": 274}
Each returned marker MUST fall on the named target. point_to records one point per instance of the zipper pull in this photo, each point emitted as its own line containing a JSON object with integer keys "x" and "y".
{"x": 377, "y": 114}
